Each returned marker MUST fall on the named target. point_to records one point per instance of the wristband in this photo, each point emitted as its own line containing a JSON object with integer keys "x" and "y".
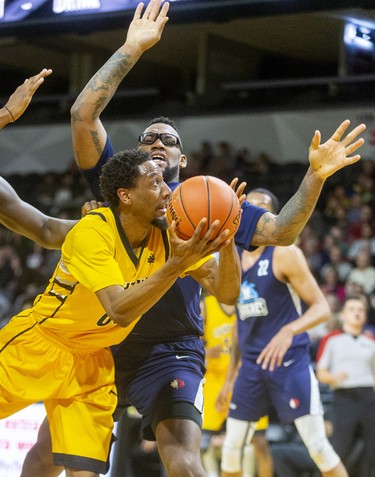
{"x": 10, "y": 113}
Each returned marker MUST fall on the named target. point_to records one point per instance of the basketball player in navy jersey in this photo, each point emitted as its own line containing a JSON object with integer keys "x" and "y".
{"x": 160, "y": 369}
{"x": 279, "y": 301}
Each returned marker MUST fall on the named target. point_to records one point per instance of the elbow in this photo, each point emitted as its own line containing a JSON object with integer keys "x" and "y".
{"x": 325, "y": 314}
{"x": 120, "y": 317}
{"x": 228, "y": 298}
{"x": 74, "y": 111}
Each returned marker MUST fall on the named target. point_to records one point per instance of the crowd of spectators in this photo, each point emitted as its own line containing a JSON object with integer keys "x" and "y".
{"x": 338, "y": 241}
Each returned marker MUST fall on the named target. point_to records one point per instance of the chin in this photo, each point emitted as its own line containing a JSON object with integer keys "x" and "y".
{"x": 160, "y": 222}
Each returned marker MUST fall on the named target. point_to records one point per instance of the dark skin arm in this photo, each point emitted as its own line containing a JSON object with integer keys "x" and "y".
{"x": 20, "y": 99}
{"x": 15, "y": 214}
{"x": 325, "y": 159}
{"x": 26, "y": 220}
{"x": 88, "y": 133}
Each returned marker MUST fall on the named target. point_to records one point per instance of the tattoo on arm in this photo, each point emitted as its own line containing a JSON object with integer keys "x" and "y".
{"x": 95, "y": 140}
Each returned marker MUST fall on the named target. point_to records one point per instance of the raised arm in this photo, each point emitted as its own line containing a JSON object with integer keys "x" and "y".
{"x": 15, "y": 214}
{"x": 88, "y": 133}
{"x": 20, "y": 99}
{"x": 325, "y": 159}
{"x": 26, "y": 220}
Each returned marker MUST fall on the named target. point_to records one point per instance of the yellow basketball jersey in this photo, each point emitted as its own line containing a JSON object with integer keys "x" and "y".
{"x": 217, "y": 332}
{"x": 96, "y": 254}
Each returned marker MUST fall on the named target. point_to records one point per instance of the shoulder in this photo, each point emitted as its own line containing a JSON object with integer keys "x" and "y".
{"x": 328, "y": 339}
{"x": 288, "y": 258}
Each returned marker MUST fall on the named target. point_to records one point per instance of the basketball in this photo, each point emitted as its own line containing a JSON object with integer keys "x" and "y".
{"x": 204, "y": 196}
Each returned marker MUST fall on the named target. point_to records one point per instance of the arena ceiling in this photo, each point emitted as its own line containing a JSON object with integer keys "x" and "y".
{"x": 309, "y": 43}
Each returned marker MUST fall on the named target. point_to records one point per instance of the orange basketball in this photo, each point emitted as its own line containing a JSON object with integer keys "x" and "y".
{"x": 204, "y": 196}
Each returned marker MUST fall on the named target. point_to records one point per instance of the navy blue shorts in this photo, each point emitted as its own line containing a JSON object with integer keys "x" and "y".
{"x": 161, "y": 381}
{"x": 291, "y": 389}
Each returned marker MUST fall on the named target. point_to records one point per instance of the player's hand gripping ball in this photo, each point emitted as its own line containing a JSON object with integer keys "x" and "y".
{"x": 204, "y": 196}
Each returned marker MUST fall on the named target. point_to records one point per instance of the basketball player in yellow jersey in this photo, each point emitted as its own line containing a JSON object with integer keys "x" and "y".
{"x": 219, "y": 320}
{"x": 116, "y": 263}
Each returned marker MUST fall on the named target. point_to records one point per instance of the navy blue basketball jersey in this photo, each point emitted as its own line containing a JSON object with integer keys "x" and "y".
{"x": 265, "y": 305}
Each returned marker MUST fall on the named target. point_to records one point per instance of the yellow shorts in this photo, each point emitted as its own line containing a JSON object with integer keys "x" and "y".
{"x": 78, "y": 392}
{"x": 262, "y": 424}
{"x": 213, "y": 420}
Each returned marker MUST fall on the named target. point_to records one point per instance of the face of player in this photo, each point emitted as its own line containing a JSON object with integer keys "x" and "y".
{"x": 169, "y": 158}
{"x": 260, "y": 200}
{"x": 150, "y": 196}
{"x": 354, "y": 313}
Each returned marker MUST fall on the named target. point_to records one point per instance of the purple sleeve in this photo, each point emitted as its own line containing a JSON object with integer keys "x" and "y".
{"x": 250, "y": 217}
{"x": 92, "y": 175}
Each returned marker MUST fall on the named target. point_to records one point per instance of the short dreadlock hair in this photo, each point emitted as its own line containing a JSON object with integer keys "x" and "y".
{"x": 121, "y": 171}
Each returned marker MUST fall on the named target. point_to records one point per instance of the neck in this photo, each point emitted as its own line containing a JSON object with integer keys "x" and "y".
{"x": 352, "y": 329}
{"x": 136, "y": 231}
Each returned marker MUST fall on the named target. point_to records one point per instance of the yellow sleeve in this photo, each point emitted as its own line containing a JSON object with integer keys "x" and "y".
{"x": 197, "y": 265}
{"x": 89, "y": 254}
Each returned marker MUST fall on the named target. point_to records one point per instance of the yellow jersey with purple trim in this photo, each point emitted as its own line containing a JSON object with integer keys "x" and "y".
{"x": 96, "y": 254}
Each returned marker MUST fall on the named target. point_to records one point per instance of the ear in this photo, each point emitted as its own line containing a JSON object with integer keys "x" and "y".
{"x": 124, "y": 196}
{"x": 183, "y": 161}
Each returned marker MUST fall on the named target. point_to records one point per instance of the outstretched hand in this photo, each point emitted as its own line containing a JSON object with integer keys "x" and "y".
{"x": 331, "y": 156}
{"x": 20, "y": 99}
{"x": 145, "y": 29}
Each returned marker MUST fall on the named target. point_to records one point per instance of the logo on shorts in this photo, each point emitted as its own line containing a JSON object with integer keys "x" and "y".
{"x": 151, "y": 258}
{"x": 177, "y": 383}
{"x": 294, "y": 403}
{"x": 286, "y": 364}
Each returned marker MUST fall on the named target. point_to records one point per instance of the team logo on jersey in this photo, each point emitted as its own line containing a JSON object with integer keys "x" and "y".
{"x": 250, "y": 304}
{"x": 294, "y": 403}
{"x": 177, "y": 383}
{"x": 151, "y": 258}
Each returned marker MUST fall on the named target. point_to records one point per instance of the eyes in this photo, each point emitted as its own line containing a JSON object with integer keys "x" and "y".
{"x": 169, "y": 140}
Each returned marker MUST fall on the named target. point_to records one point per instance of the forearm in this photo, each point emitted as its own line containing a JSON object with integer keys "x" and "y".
{"x": 46, "y": 231}
{"x": 314, "y": 315}
{"x": 326, "y": 377}
{"x": 5, "y": 117}
{"x": 103, "y": 85}
{"x": 232, "y": 369}
{"x": 297, "y": 211}
{"x": 128, "y": 304}
{"x": 227, "y": 283}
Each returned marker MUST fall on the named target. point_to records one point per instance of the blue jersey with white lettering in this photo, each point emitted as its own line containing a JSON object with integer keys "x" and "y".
{"x": 265, "y": 305}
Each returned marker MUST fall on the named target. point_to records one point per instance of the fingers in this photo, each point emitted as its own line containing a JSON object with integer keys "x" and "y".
{"x": 337, "y": 135}
{"x": 138, "y": 11}
{"x": 152, "y": 10}
{"x": 315, "y": 142}
{"x": 353, "y": 134}
{"x": 353, "y": 147}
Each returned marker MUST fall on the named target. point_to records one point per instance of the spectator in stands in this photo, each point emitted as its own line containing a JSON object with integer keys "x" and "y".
{"x": 365, "y": 242}
{"x": 346, "y": 362}
{"x": 363, "y": 273}
{"x": 338, "y": 261}
{"x": 366, "y": 216}
{"x": 330, "y": 282}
